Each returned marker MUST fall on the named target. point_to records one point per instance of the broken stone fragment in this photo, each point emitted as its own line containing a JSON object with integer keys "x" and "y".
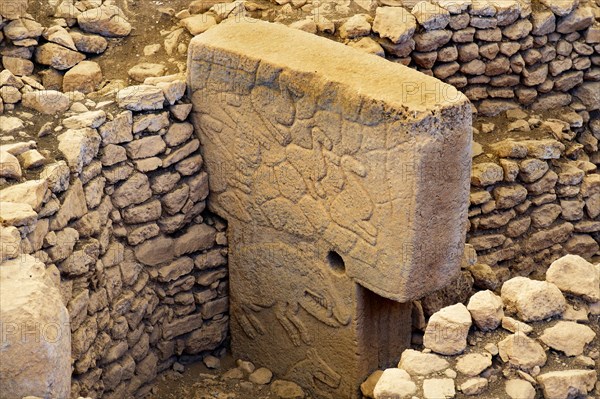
{"x": 473, "y": 364}
{"x": 568, "y": 337}
{"x": 200, "y": 23}
{"x": 447, "y": 330}
{"x": 93, "y": 119}
{"x": 140, "y": 72}
{"x": 91, "y": 44}
{"x": 418, "y": 363}
{"x": 109, "y": 21}
{"x": 32, "y": 192}
{"x": 430, "y": 16}
{"x": 487, "y": 310}
{"x": 47, "y": 102}
{"x": 57, "y": 56}
{"x": 522, "y": 352}
{"x": 9, "y": 124}
{"x": 394, "y": 23}
{"x": 141, "y": 98}
{"x": 567, "y": 384}
{"x": 532, "y": 300}
{"x": 394, "y": 383}
{"x": 10, "y": 243}
{"x": 9, "y": 165}
{"x": 79, "y": 147}
{"x": 575, "y": 275}
{"x": 85, "y": 77}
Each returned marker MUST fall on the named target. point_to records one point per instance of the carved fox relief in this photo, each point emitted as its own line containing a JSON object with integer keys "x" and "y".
{"x": 299, "y": 286}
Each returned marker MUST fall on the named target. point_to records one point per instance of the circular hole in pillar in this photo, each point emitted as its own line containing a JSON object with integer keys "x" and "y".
{"x": 336, "y": 262}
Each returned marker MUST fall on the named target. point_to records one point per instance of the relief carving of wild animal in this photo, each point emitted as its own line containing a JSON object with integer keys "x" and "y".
{"x": 294, "y": 282}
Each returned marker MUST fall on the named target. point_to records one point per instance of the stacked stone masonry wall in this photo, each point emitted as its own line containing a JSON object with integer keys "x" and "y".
{"x": 120, "y": 214}
{"x": 501, "y": 54}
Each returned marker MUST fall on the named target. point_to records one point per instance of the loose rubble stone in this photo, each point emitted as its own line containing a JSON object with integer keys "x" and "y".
{"x": 286, "y": 390}
{"x": 57, "y": 56}
{"x": 48, "y": 102}
{"x": 473, "y": 364}
{"x": 447, "y": 330}
{"x": 515, "y": 326}
{"x": 394, "y": 383}
{"x": 9, "y": 166}
{"x": 568, "y": 337}
{"x": 522, "y": 352}
{"x": 394, "y": 23}
{"x": 418, "y": 363}
{"x": 438, "y": 388}
{"x": 85, "y": 77}
{"x": 140, "y": 72}
{"x": 487, "y": 310}
{"x": 532, "y": 300}
{"x": 109, "y": 21}
{"x": 519, "y": 389}
{"x": 575, "y": 275}
{"x": 368, "y": 386}
{"x": 567, "y": 384}
{"x": 474, "y": 386}
{"x": 261, "y": 376}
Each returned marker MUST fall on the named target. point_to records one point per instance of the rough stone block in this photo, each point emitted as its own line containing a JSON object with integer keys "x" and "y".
{"x": 328, "y": 178}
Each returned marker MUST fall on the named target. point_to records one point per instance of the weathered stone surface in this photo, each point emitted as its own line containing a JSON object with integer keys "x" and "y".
{"x": 487, "y": 310}
{"x": 9, "y": 166}
{"x": 16, "y": 214}
{"x": 447, "y": 330}
{"x": 57, "y": 56}
{"x": 32, "y": 192}
{"x": 48, "y": 102}
{"x": 522, "y": 352}
{"x": 84, "y": 77}
{"x": 109, "y": 21}
{"x": 91, "y": 119}
{"x": 37, "y": 363}
{"x": 519, "y": 389}
{"x": 473, "y": 364}
{"x": 394, "y": 383}
{"x": 79, "y": 147}
{"x": 575, "y": 275}
{"x": 435, "y": 388}
{"x": 567, "y": 384}
{"x": 394, "y": 23}
{"x": 418, "y": 363}
{"x": 134, "y": 190}
{"x": 10, "y": 243}
{"x": 302, "y": 208}
{"x": 141, "y": 98}
{"x": 568, "y": 337}
{"x": 73, "y": 206}
{"x": 532, "y": 300}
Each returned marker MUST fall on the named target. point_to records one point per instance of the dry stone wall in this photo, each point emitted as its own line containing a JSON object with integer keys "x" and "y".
{"x": 501, "y": 54}
{"x": 118, "y": 211}
{"x": 532, "y": 202}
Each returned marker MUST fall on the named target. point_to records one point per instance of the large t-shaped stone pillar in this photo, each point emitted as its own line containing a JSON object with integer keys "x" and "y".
{"x": 345, "y": 181}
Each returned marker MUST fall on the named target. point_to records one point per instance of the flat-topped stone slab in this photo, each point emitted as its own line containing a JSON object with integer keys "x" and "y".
{"x": 344, "y": 178}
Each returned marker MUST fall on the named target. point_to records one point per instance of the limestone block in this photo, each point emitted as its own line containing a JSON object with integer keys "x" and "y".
{"x": 35, "y": 355}
{"x": 326, "y": 176}
{"x": 13, "y": 9}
